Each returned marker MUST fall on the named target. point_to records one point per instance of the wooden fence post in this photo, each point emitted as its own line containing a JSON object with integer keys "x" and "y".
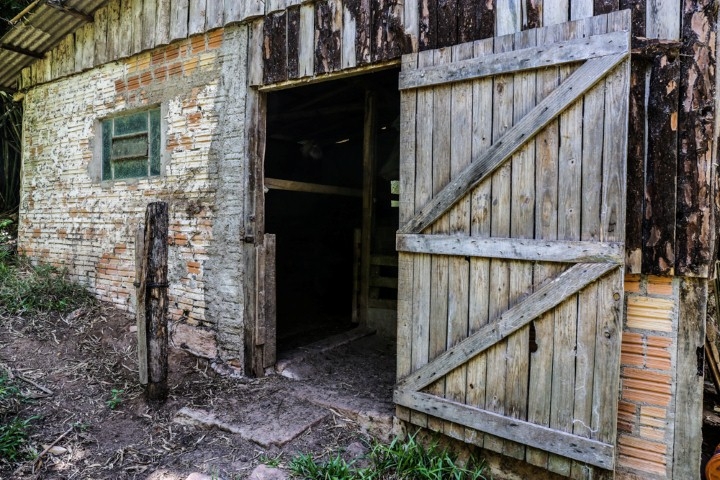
{"x": 140, "y": 287}
{"x": 156, "y": 303}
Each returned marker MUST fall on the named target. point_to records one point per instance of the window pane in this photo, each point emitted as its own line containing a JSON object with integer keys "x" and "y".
{"x": 130, "y": 168}
{"x": 130, "y": 147}
{"x": 155, "y": 149}
{"x": 136, "y": 123}
{"x": 106, "y": 149}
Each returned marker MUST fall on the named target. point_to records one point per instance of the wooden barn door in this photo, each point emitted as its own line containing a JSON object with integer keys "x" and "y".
{"x": 512, "y": 222}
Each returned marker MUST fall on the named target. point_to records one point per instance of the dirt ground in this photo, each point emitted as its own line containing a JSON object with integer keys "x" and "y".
{"x": 68, "y": 367}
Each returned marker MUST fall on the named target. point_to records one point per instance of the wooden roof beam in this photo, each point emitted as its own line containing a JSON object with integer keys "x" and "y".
{"x": 22, "y": 51}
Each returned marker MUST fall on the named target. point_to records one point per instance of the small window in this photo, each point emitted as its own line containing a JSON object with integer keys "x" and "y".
{"x": 131, "y": 146}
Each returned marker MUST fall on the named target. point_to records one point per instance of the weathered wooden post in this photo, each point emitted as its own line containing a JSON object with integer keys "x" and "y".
{"x": 140, "y": 320}
{"x": 155, "y": 298}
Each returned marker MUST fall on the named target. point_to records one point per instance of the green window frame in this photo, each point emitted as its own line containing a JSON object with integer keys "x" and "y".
{"x": 131, "y": 145}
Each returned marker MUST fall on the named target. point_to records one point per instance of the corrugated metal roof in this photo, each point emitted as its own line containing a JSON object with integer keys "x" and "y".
{"x": 45, "y": 24}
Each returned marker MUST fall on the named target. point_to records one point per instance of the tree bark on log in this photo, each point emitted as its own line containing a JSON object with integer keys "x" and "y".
{"x": 156, "y": 235}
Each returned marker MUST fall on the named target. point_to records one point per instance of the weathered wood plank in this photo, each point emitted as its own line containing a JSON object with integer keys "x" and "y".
{"x": 617, "y": 86}
{"x": 79, "y": 50}
{"x": 137, "y": 30}
{"x": 663, "y": 19}
{"x": 293, "y": 41}
{"x": 569, "y": 206}
{"x": 328, "y": 32}
{"x": 124, "y": 46}
{"x": 101, "y": 50}
{"x": 542, "y": 300}
{"x": 423, "y": 192}
{"x": 500, "y": 227}
{"x": 363, "y": 31}
{"x": 253, "y": 9}
{"x": 113, "y": 30}
{"x": 215, "y": 14}
{"x": 306, "y": 45}
{"x": 522, "y": 211}
{"x": 88, "y": 48}
{"x": 270, "y": 283}
{"x": 546, "y": 197}
{"x": 639, "y": 15}
{"x": 696, "y": 224}
{"x": 275, "y": 48}
{"x": 459, "y": 223}
{"x": 508, "y": 18}
{"x": 272, "y": 6}
{"x": 140, "y": 289}
{"x": 581, "y": 9}
{"x": 593, "y": 130}
{"x": 148, "y": 22}
{"x": 687, "y": 445}
{"x": 197, "y": 16}
{"x": 590, "y": 451}
{"x": 428, "y": 24}
{"x": 349, "y": 33}
{"x": 533, "y": 12}
{"x": 162, "y": 25}
{"x": 569, "y": 51}
{"x": 255, "y": 52}
{"x": 479, "y": 227}
{"x": 179, "y": 11}
{"x": 575, "y": 86}
{"x": 411, "y": 24}
{"x": 438, "y": 280}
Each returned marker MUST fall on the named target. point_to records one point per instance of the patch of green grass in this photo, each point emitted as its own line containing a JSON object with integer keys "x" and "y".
{"x": 28, "y": 288}
{"x": 401, "y": 459}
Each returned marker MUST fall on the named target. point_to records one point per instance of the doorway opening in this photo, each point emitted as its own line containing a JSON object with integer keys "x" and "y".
{"x": 331, "y": 171}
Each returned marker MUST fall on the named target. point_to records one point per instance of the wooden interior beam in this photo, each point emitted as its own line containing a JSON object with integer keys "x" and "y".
{"x": 295, "y": 186}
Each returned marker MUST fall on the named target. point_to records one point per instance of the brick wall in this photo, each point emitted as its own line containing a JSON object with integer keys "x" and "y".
{"x": 70, "y": 218}
{"x": 649, "y": 346}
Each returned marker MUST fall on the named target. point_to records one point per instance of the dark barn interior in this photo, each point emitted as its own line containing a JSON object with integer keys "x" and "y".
{"x": 327, "y": 149}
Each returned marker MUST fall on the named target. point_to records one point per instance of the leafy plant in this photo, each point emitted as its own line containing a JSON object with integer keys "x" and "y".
{"x": 25, "y": 287}
{"x": 115, "y": 398}
{"x": 401, "y": 459}
{"x": 13, "y": 437}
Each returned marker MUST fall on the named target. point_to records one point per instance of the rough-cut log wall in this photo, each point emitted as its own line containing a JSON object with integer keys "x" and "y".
{"x": 695, "y": 175}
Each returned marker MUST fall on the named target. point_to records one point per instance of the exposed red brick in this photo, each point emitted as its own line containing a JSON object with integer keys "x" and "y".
{"x": 146, "y": 79}
{"x": 158, "y": 56}
{"x": 172, "y": 53}
{"x": 197, "y": 43}
{"x": 120, "y": 86}
{"x": 175, "y": 69}
{"x": 161, "y": 73}
{"x": 215, "y": 38}
{"x": 632, "y": 283}
{"x": 190, "y": 65}
{"x": 133, "y": 82}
